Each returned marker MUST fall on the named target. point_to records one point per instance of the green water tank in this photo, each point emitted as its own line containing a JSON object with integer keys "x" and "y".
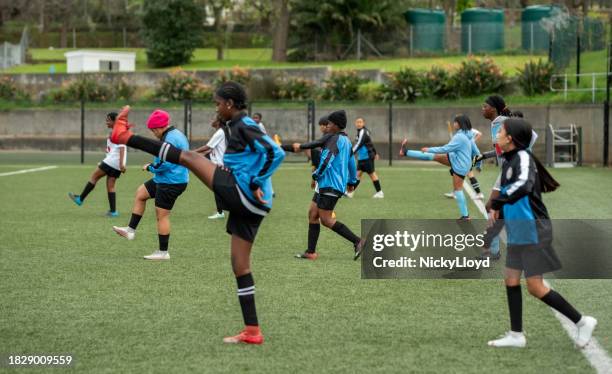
{"x": 482, "y": 30}
{"x": 533, "y": 36}
{"x": 426, "y": 29}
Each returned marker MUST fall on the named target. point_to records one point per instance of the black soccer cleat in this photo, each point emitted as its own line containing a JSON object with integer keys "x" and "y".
{"x": 358, "y": 249}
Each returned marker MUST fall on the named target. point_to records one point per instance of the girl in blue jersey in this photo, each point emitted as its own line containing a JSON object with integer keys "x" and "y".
{"x": 530, "y": 252}
{"x": 457, "y": 154}
{"x": 243, "y": 185}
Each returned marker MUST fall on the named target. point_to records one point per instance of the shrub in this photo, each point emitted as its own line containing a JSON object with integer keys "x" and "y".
{"x": 121, "y": 90}
{"x": 237, "y": 74}
{"x": 404, "y": 85}
{"x": 371, "y": 91}
{"x": 293, "y": 89}
{"x": 342, "y": 86}
{"x": 85, "y": 87}
{"x": 9, "y": 90}
{"x": 180, "y": 85}
{"x": 477, "y": 76}
{"x": 534, "y": 77}
{"x": 438, "y": 83}
{"x": 172, "y": 30}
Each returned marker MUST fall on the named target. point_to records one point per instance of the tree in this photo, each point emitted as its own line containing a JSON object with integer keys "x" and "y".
{"x": 172, "y": 29}
{"x": 281, "y": 31}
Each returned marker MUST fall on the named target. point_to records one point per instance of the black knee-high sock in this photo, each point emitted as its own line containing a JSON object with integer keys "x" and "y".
{"x": 134, "y": 221}
{"x": 163, "y": 242}
{"x": 515, "y": 306}
{"x": 340, "y": 229}
{"x": 165, "y": 151}
{"x": 218, "y": 203}
{"x": 246, "y": 296}
{"x": 556, "y": 301}
{"x": 377, "y": 185}
{"x": 313, "y": 236}
{"x": 475, "y": 184}
{"x": 88, "y": 188}
{"x": 112, "y": 202}
{"x": 287, "y": 148}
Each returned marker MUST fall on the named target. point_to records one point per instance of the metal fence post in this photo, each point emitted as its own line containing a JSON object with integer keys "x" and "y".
{"x": 310, "y": 116}
{"x": 82, "y": 130}
{"x": 390, "y": 115}
{"x": 469, "y": 39}
{"x": 531, "y": 38}
{"x": 411, "y": 40}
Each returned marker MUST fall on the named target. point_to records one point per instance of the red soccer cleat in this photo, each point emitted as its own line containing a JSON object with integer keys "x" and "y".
{"x": 121, "y": 133}
{"x": 250, "y": 335}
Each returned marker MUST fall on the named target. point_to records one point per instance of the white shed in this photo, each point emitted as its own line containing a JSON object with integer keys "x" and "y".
{"x": 99, "y": 61}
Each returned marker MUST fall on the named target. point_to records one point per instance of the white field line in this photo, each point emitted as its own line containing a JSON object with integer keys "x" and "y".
{"x": 593, "y": 352}
{"x": 27, "y": 171}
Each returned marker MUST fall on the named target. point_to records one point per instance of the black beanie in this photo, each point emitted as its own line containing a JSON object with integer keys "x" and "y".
{"x": 520, "y": 131}
{"x": 338, "y": 118}
{"x": 497, "y": 102}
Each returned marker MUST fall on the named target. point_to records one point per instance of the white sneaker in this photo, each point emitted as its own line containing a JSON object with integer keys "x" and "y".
{"x": 450, "y": 195}
{"x": 511, "y": 339}
{"x": 480, "y": 196}
{"x": 158, "y": 255}
{"x": 127, "y": 232}
{"x": 585, "y": 326}
{"x": 379, "y": 195}
{"x": 217, "y": 216}
{"x": 350, "y": 194}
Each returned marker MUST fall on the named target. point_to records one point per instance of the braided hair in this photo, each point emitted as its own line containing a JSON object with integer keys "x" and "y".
{"x": 499, "y": 104}
{"x": 233, "y": 91}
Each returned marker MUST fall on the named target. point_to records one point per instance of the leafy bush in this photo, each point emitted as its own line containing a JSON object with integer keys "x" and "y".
{"x": 342, "y": 86}
{"x": 293, "y": 89}
{"x": 237, "y": 74}
{"x": 534, "y": 77}
{"x": 172, "y": 30}
{"x": 477, "y": 76}
{"x": 371, "y": 91}
{"x": 438, "y": 83}
{"x": 180, "y": 85}
{"x": 404, "y": 85}
{"x": 85, "y": 87}
{"x": 121, "y": 90}
{"x": 9, "y": 90}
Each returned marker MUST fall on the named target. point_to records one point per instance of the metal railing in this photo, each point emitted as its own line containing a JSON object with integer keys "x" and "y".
{"x": 566, "y": 78}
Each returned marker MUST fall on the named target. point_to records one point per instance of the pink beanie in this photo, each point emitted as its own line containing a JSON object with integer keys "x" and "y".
{"x": 157, "y": 119}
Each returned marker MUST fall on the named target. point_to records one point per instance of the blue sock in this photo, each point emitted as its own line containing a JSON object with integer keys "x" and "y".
{"x": 495, "y": 246}
{"x": 460, "y": 197}
{"x": 420, "y": 155}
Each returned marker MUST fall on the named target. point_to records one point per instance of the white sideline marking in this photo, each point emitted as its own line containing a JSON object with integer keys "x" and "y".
{"x": 28, "y": 170}
{"x": 593, "y": 352}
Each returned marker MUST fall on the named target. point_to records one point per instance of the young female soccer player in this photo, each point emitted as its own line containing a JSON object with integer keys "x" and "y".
{"x": 243, "y": 184}
{"x": 112, "y": 166}
{"x": 457, "y": 154}
{"x": 168, "y": 183}
{"x": 519, "y": 203}
{"x": 366, "y": 154}
{"x": 215, "y": 149}
{"x": 335, "y": 175}
{"x": 476, "y": 135}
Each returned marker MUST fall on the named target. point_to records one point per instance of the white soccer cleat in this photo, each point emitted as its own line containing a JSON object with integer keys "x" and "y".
{"x": 127, "y": 232}
{"x": 379, "y": 195}
{"x": 350, "y": 194}
{"x": 480, "y": 196}
{"x": 511, "y": 339}
{"x": 158, "y": 256}
{"x": 217, "y": 216}
{"x": 585, "y": 326}
{"x": 450, "y": 195}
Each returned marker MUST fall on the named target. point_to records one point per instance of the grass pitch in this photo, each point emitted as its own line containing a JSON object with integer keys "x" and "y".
{"x": 70, "y": 285}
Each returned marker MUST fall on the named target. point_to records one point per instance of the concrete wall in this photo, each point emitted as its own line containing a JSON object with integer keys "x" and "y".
{"x": 60, "y": 129}
{"x": 38, "y": 83}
